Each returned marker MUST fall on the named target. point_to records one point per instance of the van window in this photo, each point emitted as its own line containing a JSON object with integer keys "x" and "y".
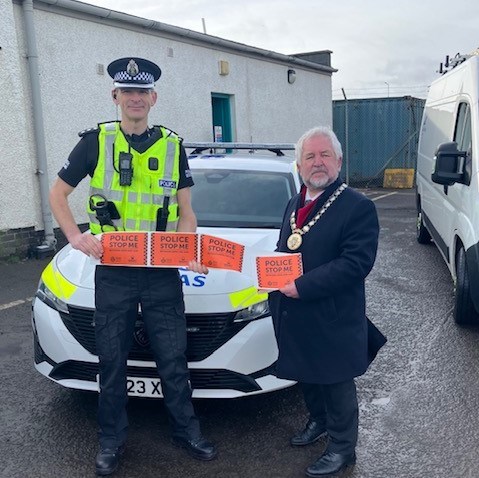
{"x": 463, "y": 136}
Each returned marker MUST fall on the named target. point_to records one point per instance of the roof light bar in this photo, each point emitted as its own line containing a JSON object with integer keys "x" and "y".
{"x": 273, "y": 147}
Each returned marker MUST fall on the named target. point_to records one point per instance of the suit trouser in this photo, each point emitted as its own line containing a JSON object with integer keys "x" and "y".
{"x": 336, "y": 407}
{"x": 118, "y": 291}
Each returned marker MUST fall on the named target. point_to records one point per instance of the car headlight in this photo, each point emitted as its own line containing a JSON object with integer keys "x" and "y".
{"x": 253, "y": 312}
{"x": 49, "y": 298}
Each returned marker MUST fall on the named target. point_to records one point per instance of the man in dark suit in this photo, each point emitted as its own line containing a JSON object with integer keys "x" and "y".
{"x": 319, "y": 319}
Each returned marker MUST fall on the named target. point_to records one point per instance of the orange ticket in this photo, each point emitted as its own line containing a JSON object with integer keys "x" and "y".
{"x": 124, "y": 248}
{"x": 173, "y": 249}
{"x": 221, "y": 253}
{"x": 274, "y": 272}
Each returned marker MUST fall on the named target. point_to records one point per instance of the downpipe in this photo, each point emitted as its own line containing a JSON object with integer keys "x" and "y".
{"x": 49, "y": 242}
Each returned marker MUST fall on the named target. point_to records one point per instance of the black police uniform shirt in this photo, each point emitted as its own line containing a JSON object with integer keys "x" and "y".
{"x": 84, "y": 157}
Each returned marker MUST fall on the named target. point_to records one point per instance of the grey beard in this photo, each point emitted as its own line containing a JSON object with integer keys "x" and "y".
{"x": 319, "y": 185}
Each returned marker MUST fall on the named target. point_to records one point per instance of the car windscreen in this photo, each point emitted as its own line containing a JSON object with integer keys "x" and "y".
{"x": 238, "y": 198}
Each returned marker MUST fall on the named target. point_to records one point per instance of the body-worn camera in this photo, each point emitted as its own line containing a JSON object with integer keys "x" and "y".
{"x": 126, "y": 169}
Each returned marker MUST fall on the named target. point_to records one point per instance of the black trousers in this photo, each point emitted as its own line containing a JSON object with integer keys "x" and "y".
{"x": 118, "y": 291}
{"x": 336, "y": 407}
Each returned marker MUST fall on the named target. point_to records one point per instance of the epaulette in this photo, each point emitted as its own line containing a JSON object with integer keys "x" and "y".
{"x": 88, "y": 131}
{"x": 169, "y": 132}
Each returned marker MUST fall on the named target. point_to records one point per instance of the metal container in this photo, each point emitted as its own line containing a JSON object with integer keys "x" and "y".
{"x": 377, "y": 134}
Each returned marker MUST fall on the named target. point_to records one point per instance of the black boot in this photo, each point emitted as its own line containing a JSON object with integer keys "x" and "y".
{"x": 330, "y": 463}
{"x": 312, "y": 432}
{"x": 108, "y": 459}
{"x": 199, "y": 448}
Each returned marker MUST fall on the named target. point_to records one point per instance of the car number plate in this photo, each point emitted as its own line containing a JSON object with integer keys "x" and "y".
{"x": 144, "y": 387}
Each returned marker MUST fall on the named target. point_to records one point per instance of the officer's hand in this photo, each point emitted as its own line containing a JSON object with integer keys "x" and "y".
{"x": 289, "y": 290}
{"x": 197, "y": 267}
{"x": 88, "y": 244}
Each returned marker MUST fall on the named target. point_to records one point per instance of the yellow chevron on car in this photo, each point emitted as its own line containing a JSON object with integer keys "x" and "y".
{"x": 58, "y": 285}
{"x": 246, "y": 297}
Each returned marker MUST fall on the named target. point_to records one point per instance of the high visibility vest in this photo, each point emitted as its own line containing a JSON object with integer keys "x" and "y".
{"x": 139, "y": 203}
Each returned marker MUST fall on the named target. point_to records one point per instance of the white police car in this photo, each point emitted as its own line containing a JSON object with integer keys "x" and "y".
{"x": 231, "y": 345}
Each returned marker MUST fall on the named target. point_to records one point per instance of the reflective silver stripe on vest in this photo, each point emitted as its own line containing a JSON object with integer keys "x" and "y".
{"x": 144, "y": 225}
{"x": 94, "y": 220}
{"x": 130, "y": 224}
{"x": 109, "y": 150}
{"x": 132, "y": 197}
{"x": 145, "y": 198}
{"x": 109, "y": 167}
{"x": 112, "y": 195}
{"x": 147, "y": 225}
{"x": 169, "y": 164}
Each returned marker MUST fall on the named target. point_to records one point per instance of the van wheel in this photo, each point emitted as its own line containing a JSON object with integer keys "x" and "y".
{"x": 464, "y": 311}
{"x": 422, "y": 234}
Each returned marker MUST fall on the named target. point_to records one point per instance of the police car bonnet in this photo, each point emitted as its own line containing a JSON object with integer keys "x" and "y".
{"x": 133, "y": 73}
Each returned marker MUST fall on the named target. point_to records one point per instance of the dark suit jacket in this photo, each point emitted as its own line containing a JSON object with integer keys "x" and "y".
{"x": 323, "y": 335}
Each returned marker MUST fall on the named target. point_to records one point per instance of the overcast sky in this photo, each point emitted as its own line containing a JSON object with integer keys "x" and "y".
{"x": 378, "y": 46}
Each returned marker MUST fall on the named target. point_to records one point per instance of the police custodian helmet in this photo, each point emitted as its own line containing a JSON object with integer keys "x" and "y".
{"x": 133, "y": 73}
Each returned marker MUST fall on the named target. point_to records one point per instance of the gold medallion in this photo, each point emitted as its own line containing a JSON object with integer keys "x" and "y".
{"x": 294, "y": 241}
{"x": 296, "y": 238}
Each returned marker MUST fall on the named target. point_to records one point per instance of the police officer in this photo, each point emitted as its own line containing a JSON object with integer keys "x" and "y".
{"x": 142, "y": 177}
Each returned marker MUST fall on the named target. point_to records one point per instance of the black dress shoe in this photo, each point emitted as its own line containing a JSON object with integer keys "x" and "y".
{"x": 312, "y": 432}
{"x": 199, "y": 448}
{"x": 108, "y": 459}
{"x": 331, "y": 463}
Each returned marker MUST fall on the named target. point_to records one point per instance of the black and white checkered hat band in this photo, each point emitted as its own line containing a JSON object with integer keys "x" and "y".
{"x": 142, "y": 77}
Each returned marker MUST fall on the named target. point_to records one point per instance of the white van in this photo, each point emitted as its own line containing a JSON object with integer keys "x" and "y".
{"x": 447, "y": 179}
{"x": 231, "y": 347}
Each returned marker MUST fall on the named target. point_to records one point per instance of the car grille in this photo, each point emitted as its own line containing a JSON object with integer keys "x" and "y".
{"x": 205, "y": 333}
{"x": 38, "y": 354}
{"x": 200, "y": 378}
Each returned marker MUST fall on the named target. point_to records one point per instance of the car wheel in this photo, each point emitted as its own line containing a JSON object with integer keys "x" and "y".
{"x": 422, "y": 234}
{"x": 464, "y": 310}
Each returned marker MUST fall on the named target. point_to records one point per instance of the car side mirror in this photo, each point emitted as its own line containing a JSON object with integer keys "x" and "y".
{"x": 449, "y": 165}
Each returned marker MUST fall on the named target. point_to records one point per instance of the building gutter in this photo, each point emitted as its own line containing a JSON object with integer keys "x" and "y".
{"x": 49, "y": 240}
{"x": 185, "y": 34}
